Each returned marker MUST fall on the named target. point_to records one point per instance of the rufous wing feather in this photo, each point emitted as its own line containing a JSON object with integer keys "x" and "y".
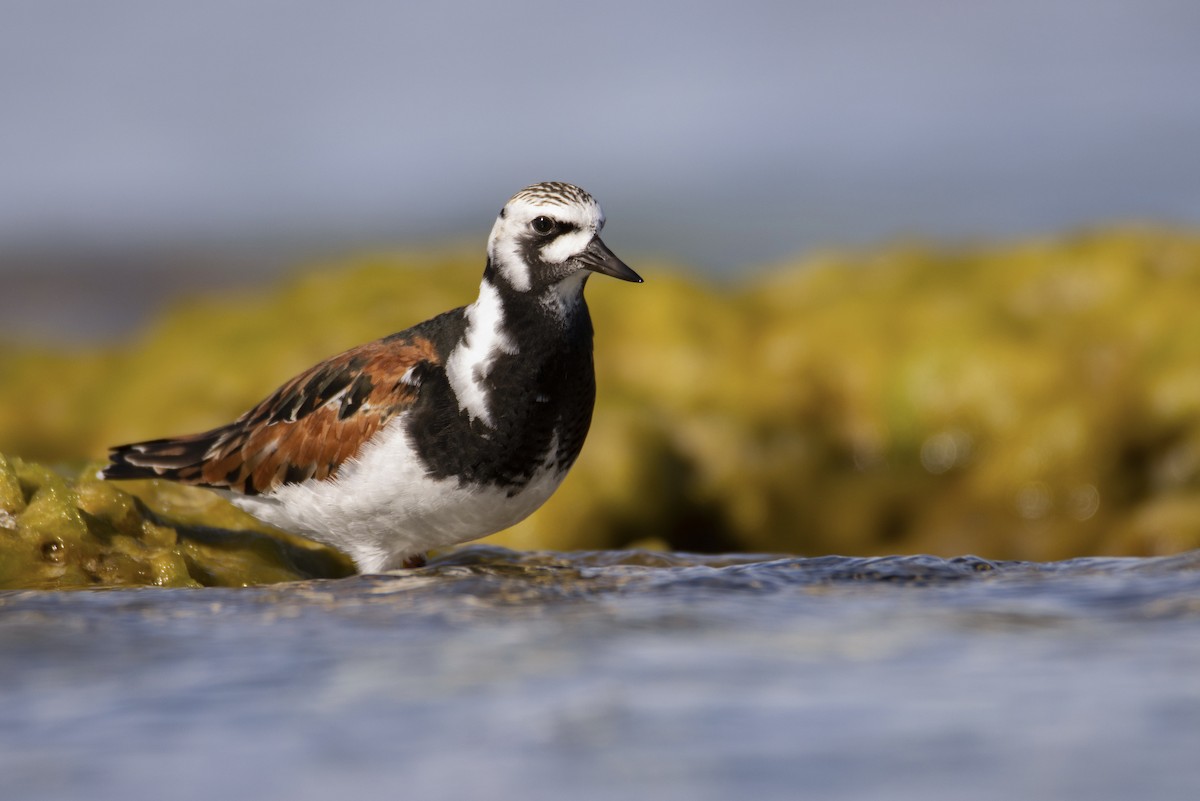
{"x": 305, "y": 430}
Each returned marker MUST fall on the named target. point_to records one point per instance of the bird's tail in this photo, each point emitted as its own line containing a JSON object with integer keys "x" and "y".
{"x": 179, "y": 459}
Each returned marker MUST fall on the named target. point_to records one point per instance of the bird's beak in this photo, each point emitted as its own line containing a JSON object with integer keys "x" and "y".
{"x": 598, "y": 258}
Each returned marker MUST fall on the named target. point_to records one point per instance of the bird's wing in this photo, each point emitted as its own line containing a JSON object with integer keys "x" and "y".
{"x": 305, "y": 430}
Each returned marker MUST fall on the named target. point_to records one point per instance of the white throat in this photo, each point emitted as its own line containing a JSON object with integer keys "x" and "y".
{"x": 564, "y": 299}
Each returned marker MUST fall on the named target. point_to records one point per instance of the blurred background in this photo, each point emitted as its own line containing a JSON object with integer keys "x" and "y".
{"x": 873, "y": 318}
{"x": 172, "y": 145}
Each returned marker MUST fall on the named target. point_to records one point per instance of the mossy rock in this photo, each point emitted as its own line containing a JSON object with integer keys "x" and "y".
{"x": 1033, "y": 400}
{"x": 62, "y": 533}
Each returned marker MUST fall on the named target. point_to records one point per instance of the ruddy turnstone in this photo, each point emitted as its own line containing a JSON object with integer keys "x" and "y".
{"x": 448, "y": 431}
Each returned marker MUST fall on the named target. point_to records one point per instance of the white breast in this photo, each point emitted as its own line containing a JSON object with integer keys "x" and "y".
{"x": 382, "y": 506}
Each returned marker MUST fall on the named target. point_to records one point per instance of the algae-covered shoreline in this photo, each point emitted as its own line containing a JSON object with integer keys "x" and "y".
{"x": 62, "y": 532}
{"x": 1037, "y": 400}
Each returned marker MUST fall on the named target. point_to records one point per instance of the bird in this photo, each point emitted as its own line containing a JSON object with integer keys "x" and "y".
{"x": 448, "y": 431}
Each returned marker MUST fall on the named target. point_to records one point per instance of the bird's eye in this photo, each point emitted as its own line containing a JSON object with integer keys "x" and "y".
{"x": 542, "y": 225}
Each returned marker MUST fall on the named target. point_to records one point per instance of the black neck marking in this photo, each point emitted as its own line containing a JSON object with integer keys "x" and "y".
{"x": 546, "y": 389}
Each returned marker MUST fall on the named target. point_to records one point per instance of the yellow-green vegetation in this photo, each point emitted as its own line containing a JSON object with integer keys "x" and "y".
{"x": 1038, "y": 400}
{"x": 58, "y": 532}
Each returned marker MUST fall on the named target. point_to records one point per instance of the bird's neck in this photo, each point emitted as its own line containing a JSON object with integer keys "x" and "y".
{"x": 515, "y": 334}
{"x": 541, "y": 312}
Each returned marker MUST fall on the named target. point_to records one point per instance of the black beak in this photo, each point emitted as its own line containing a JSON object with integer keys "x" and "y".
{"x": 598, "y": 258}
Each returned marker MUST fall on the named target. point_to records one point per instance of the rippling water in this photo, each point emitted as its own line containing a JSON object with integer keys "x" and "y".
{"x": 492, "y": 674}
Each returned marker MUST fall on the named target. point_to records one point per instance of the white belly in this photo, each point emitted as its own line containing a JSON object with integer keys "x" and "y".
{"x": 382, "y": 507}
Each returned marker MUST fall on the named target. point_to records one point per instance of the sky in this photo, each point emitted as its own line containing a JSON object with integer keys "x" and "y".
{"x": 722, "y": 135}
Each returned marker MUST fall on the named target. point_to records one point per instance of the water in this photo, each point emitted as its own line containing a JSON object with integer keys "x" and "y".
{"x": 617, "y": 675}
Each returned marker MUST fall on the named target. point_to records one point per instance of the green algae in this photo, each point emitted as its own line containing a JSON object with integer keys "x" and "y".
{"x": 1036, "y": 400}
{"x": 58, "y": 532}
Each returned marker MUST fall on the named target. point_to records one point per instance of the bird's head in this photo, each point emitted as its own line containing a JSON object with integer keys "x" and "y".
{"x": 548, "y": 234}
